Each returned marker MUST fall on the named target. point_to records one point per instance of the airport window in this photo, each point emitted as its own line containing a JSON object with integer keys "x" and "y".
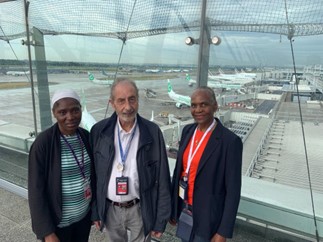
{"x": 265, "y": 67}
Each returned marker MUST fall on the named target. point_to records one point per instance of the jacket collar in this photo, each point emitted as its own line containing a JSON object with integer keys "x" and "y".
{"x": 210, "y": 147}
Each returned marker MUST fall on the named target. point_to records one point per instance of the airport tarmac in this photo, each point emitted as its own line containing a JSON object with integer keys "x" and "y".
{"x": 16, "y": 111}
{"x": 16, "y": 104}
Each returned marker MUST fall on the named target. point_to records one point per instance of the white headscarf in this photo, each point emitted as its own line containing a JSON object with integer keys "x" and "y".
{"x": 59, "y": 94}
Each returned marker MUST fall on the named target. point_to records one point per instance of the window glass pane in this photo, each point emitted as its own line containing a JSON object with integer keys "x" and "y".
{"x": 268, "y": 89}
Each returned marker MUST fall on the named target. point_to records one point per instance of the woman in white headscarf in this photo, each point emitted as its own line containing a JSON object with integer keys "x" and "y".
{"x": 61, "y": 175}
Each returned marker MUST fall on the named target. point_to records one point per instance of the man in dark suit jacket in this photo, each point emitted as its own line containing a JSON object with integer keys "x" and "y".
{"x": 207, "y": 176}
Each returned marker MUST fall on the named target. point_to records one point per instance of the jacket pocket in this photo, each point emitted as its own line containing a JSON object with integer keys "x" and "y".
{"x": 150, "y": 174}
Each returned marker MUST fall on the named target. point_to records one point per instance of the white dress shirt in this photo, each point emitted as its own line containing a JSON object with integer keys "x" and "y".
{"x": 130, "y": 165}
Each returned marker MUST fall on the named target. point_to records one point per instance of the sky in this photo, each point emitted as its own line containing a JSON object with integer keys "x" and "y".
{"x": 236, "y": 48}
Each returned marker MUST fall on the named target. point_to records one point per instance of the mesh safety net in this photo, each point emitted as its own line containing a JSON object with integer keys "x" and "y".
{"x": 126, "y": 19}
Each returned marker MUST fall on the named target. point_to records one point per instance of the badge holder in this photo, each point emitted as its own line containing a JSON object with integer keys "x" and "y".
{"x": 87, "y": 189}
{"x": 185, "y": 222}
{"x": 182, "y": 191}
{"x": 185, "y": 225}
{"x": 122, "y": 185}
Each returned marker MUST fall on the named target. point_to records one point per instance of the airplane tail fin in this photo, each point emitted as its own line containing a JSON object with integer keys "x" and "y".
{"x": 91, "y": 76}
{"x": 189, "y": 80}
{"x": 188, "y": 77}
{"x": 87, "y": 119}
{"x": 170, "y": 88}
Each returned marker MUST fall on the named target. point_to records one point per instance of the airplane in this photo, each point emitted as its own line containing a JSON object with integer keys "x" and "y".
{"x": 176, "y": 70}
{"x": 17, "y": 73}
{"x": 100, "y": 82}
{"x": 227, "y": 86}
{"x": 214, "y": 85}
{"x": 242, "y": 74}
{"x": 221, "y": 77}
{"x": 180, "y": 100}
{"x": 245, "y": 74}
{"x": 191, "y": 82}
{"x": 87, "y": 120}
{"x": 104, "y": 73}
{"x": 230, "y": 77}
{"x": 152, "y": 70}
{"x": 107, "y": 74}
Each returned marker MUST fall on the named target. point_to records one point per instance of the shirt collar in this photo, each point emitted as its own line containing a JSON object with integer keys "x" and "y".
{"x": 122, "y": 130}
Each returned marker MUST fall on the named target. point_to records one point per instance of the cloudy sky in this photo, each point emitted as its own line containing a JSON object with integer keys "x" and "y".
{"x": 236, "y": 48}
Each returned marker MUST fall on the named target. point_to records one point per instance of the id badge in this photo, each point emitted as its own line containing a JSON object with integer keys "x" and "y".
{"x": 182, "y": 189}
{"x": 122, "y": 185}
{"x": 87, "y": 189}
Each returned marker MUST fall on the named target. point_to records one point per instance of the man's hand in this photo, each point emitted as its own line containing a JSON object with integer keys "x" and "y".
{"x": 156, "y": 234}
{"x": 218, "y": 238}
{"x": 172, "y": 222}
{"x": 97, "y": 224}
{"x": 51, "y": 238}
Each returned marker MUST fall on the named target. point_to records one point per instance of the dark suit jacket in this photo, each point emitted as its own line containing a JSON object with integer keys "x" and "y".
{"x": 217, "y": 185}
{"x": 153, "y": 172}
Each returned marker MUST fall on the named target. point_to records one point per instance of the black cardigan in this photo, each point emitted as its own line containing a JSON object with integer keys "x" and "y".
{"x": 44, "y": 180}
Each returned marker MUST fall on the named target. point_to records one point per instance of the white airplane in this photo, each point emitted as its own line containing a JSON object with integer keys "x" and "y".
{"x": 105, "y": 74}
{"x": 191, "y": 81}
{"x": 241, "y": 75}
{"x": 152, "y": 70}
{"x": 214, "y": 84}
{"x": 245, "y": 74}
{"x": 180, "y": 100}
{"x": 108, "y": 74}
{"x": 227, "y": 86}
{"x": 230, "y": 77}
{"x": 17, "y": 73}
{"x": 87, "y": 120}
{"x": 100, "y": 82}
{"x": 220, "y": 77}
